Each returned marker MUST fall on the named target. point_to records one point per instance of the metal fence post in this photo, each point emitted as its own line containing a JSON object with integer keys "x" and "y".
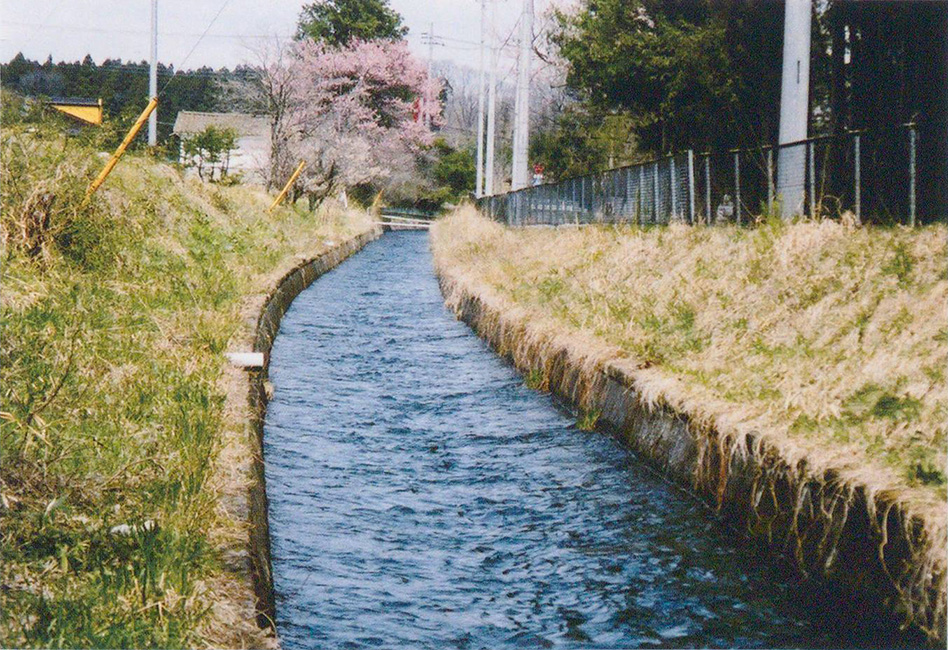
{"x": 581, "y": 193}
{"x": 599, "y": 194}
{"x": 592, "y": 199}
{"x": 811, "y": 160}
{"x": 912, "y": 145}
{"x": 737, "y": 187}
{"x": 560, "y": 202}
{"x": 691, "y": 187}
{"x": 770, "y": 180}
{"x": 707, "y": 185}
{"x": 641, "y": 198}
{"x": 628, "y": 189}
{"x": 856, "y": 173}
{"x": 673, "y": 182}
{"x": 655, "y": 195}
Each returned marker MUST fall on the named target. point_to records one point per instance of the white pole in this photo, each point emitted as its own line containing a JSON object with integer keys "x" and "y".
{"x": 153, "y": 76}
{"x": 491, "y": 104}
{"x": 521, "y": 140}
{"x": 479, "y": 191}
{"x": 794, "y": 106}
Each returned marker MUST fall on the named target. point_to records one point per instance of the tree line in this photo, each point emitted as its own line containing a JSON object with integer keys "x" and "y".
{"x": 122, "y": 86}
{"x": 646, "y": 77}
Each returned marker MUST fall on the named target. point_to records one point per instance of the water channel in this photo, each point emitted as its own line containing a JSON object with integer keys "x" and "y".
{"x": 422, "y": 497}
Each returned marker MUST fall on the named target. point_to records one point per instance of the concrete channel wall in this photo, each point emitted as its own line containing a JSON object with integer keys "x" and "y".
{"x": 867, "y": 547}
{"x": 268, "y": 324}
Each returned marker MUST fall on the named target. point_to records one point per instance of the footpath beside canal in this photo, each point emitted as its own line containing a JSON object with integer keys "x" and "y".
{"x": 862, "y": 518}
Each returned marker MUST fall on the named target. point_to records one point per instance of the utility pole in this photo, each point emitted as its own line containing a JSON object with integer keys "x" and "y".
{"x": 479, "y": 186}
{"x": 153, "y": 76}
{"x": 521, "y": 138}
{"x": 491, "y": 103}
{"x": 794, "y": 106}
{"x": 431, "y": 40}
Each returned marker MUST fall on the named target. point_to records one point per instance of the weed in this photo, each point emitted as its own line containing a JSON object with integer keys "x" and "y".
{"x": 587, "y": 420}
{"x": 900, "y": 264}
{"x": 536, "y": 379}
{"x": 550, "y": 287}
{"x": 897, "y": 408}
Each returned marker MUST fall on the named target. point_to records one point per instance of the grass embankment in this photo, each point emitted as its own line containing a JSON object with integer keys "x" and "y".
{"x": 114, "y": 321}
{"x": 832, "y": 341}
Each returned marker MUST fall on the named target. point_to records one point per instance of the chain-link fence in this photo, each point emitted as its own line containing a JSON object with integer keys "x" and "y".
{"x": 872, "y": 175}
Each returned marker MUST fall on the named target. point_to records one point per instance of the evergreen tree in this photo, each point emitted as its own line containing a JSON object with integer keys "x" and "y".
{"x": 337, "y": 22}
{"x": 690, "y": 74}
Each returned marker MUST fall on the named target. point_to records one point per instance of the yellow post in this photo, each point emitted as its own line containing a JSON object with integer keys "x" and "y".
{"x": 113, "y": 161}
{"x": 289, "y": 184}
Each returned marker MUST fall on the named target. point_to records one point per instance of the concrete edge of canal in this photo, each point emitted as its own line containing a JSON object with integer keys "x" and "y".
{"x": 254, "y": 566}
{"x": 868, "y": 547}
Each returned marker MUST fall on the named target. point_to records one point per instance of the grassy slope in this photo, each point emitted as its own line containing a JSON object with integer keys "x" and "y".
{"x": 832, "y": 340}
{"x": 112, "y": 402}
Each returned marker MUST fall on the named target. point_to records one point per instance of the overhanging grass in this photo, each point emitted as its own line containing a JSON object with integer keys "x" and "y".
{"x": 832, "y": 338}
{"x": 114, "y": 318}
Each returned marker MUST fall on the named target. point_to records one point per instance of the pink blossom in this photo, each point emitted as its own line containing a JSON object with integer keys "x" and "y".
{"x": 356, "y": 113}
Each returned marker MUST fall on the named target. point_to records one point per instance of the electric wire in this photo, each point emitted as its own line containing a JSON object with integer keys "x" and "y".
{"x": 198, "y": 42}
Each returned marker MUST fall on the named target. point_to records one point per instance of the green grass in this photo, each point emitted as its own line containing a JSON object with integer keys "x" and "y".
{"x": 114, "y": 318}
{"x": 587, "y": 420}
{"x": 535, "y": 380}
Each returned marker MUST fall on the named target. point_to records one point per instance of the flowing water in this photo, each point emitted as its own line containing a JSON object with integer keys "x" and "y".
{"x": 422, "y": 497}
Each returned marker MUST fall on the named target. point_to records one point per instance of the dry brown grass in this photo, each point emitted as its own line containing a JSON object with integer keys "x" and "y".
{"x": 831, "y": 340}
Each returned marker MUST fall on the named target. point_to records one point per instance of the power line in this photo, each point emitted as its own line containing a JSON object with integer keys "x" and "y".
{"x": 198, "y": 42}
{"x": 42, "y": 23}
{"x": 131, "y": 32}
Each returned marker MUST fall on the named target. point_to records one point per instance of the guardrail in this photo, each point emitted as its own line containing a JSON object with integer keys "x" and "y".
{"x": 408, "y": 213}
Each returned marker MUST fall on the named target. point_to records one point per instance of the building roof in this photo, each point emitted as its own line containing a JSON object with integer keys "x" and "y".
{"x": 189, "y": 122}
{"x": 74, "y": 101}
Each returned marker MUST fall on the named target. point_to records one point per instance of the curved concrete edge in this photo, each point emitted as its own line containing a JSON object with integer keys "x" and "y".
{"x": 845, "y": 538}
{"x": 268, "y": 324}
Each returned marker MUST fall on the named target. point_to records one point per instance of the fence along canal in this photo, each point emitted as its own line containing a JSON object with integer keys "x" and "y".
{"x": 422, "y": 496}
{"x": 874, "y": 175}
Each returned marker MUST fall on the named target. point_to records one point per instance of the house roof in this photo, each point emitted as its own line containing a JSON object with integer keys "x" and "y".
{"x": 74, "y": 101}
{"x": 189, "y": 122}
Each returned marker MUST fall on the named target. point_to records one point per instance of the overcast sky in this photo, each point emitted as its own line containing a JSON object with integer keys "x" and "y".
{"x": 70, "y": 29}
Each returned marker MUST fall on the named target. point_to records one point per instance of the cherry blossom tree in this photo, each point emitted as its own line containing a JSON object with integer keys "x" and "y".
{"x": 355, "y": 113}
